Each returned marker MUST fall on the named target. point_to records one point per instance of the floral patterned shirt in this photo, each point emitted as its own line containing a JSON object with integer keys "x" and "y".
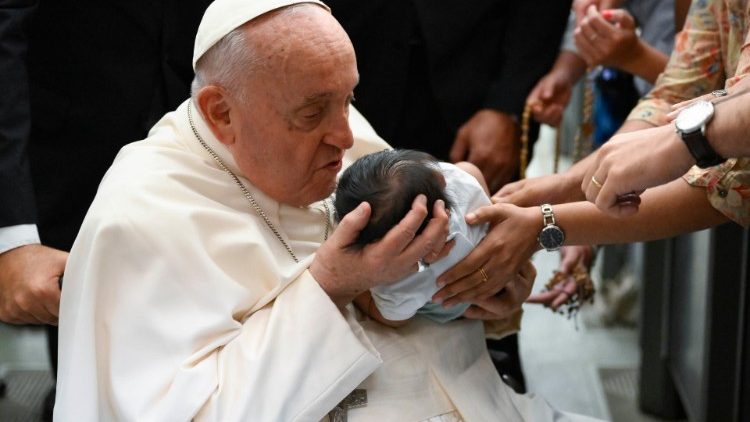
{"x": 711, "y": 52}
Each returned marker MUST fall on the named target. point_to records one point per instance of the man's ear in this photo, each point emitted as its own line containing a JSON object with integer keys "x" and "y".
{"x": 215, "y": 105}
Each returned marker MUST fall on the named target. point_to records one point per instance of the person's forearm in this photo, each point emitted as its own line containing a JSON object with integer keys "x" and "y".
{"x": 634, "y": 124}
{"x": 570, "y": 65}
{"x": 646, "y": 62}
{"x": 665, "y": 211}
{"x": 728, "y": 131}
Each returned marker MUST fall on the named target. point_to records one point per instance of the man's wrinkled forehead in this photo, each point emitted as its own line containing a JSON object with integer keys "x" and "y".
{"x": 224, "y": 16}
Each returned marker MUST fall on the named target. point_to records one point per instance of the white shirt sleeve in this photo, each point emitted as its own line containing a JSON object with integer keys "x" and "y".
{"x": 12, "y": 237}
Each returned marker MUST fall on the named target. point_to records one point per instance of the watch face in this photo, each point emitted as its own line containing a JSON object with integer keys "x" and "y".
{"x": 551, "y": 238}
{"x": 694, "y": 116}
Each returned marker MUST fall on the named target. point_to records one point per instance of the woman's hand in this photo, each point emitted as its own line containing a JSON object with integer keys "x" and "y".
{"x": 499, "y": 257}
{"x": 508, "y": 301}
{"x": 607, "y": 38}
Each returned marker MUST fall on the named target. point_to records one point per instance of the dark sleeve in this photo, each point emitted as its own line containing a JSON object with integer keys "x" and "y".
{"x": 16, "y": 191}
{"x": 530, "y": 45}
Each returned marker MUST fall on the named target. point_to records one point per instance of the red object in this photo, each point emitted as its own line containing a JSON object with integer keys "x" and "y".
{"x": 607, "y": 14}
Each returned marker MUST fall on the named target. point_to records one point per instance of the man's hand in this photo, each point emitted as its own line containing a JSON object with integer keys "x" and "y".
{"x": 29, "y": 289}
{"x": 551, "y": 94}
{"x": 551, "y": 189}
{"x": 570, "y": 257}
{"x": 344, "y": 273}
{"x": 549, "y": 98}
{"x": 509, "y": 243}
{"x": 508, "y": 300}
{"x": 491, "y": 141}
{"x": 631, "y": 163}
{"x": 607, "y": 38}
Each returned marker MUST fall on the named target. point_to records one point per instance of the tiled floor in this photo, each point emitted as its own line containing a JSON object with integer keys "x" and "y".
{"x": 562, "y": 360}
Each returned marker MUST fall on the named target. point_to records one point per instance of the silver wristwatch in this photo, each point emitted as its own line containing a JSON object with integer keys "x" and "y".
{"x": 551, "y": 237}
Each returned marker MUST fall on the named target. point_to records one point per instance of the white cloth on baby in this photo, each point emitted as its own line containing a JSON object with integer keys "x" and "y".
{"x": 413, "y": 294}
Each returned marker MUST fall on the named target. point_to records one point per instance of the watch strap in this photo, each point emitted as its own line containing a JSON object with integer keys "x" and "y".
{"x": 548, "y": 217}
{"x": 700, "y": 149}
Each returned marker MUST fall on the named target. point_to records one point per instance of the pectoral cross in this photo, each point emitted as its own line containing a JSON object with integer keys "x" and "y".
{"x": 355, "y": 399}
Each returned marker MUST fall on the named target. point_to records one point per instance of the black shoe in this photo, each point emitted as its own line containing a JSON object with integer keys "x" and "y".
{"x": 48, "y": 407}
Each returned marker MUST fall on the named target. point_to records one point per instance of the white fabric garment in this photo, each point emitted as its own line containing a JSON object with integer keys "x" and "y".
{"x": 401, "y": 300}
{"x": 181, "y": 304}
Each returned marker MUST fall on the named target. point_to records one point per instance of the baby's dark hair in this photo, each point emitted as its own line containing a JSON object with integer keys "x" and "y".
{"x": 389, "y": 181}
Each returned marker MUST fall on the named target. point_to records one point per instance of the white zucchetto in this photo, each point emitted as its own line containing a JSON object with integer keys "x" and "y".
{"x": 224, "y": 16}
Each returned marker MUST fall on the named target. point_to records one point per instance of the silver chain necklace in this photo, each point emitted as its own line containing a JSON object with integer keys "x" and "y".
{"x": 253, "y": 203}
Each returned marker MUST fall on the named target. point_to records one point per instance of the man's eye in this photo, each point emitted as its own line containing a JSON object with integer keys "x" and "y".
{"x": 311, "y": 116}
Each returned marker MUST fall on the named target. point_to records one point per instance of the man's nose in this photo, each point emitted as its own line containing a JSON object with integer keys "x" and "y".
{"x": 340, "y": 134}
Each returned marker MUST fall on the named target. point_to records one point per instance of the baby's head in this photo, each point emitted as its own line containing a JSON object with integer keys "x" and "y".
{"x": 389, "y": 181}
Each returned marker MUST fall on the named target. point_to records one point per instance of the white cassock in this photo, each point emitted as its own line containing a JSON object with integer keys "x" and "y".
{"x": 179, "y": 303}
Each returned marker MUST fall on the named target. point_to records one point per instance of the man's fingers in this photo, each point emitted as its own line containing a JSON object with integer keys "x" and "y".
{"x": 489, "y": 213}
{"x": 429, "y": 259}
{"x": 400, "y": 236}
{"x": 35, "y": 307}
{"x": 451, "y": 293}
{"x": 475, "y": 312}
{"x": 16, "y": 315}
{"x": 508, "y": 190}
{"x": 470, "y": 264}
{"x": 447, "y": 293}
{"x": 351, "y": 225}
{"x": 432, "y": 237}
{"x": 51, "y": 302}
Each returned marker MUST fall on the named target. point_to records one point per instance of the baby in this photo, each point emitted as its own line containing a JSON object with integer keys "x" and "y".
{"x": 389, "y": 181}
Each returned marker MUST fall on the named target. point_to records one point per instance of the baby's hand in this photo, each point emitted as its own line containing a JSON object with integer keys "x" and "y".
{"x": 366, "y": 304}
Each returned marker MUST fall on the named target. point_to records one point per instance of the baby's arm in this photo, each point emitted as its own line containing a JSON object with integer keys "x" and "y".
{"x": 474, "y": 171}
{"x": 367, "y": 305}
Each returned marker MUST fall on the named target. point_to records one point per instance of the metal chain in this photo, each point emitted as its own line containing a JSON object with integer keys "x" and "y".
{"x": 253, "y": 203}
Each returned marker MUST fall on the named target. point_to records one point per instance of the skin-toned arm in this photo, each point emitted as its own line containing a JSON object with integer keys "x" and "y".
{"x": 667, "y": 211}
{"x": 556, "y": 188}
{"x": 344, "y": 274}
{"x": 727, "y": 131}
{"x": 636, "y": 161}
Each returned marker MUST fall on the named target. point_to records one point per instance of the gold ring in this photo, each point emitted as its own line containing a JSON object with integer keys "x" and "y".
{"x": 484, "y": 274}
{"x": 596, "y": 182}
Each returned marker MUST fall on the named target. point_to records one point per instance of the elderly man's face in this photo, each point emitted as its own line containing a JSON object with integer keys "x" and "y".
{"x": 294, "y": 127}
